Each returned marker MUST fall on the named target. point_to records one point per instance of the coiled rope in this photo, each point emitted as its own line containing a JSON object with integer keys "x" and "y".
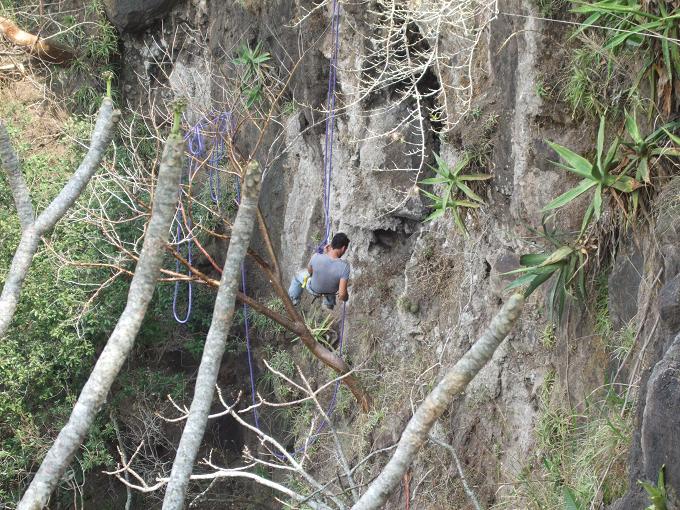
{"x": 207, "y": 134}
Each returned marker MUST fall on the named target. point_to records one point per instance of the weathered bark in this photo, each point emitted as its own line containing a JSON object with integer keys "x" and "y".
{"x": 20, "y": 193}
{"x": 30, "y": 237}
{"x": 122, "y": 339}
{"x": 36, "y": 46}
{"x": 223, "y": 314}
{"x": 453, "y": 382}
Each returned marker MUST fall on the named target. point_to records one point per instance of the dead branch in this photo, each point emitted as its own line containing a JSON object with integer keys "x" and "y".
{"x": 39, "y": 47}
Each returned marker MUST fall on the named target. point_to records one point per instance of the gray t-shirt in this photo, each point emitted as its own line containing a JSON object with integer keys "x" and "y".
{"x": 327, "y": 273}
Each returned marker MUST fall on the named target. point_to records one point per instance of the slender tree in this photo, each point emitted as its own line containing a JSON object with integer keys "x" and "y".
{"x": 223, "y": 314}
{"x": 33, "y": 229}
{"x": 122, "y": 339}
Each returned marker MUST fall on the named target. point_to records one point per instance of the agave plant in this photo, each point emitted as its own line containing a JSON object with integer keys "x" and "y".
{"x": 456, "y": 193}
{"x": 596, "y": 175}
{"x": 566, "y": 262}
{"x": 643, "y": 150}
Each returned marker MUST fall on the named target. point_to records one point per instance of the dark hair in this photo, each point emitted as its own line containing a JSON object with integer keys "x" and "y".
{"x": 340, "y": 240}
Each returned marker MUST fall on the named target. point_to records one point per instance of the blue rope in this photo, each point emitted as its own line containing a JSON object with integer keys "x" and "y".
{"x": 197, "y": 147}
{"x": 330, "y": 125}
{"x": 328, "y": 171}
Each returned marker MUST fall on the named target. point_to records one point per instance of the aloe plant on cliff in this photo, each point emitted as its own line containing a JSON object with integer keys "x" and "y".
{"x": 597, "y": 174}
{"x": 456, "y": 193}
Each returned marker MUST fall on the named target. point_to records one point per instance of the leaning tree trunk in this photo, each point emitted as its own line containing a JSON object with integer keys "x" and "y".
{"x": 213, "y": 350}
{"x": 33, "y": 230}
{"x": 454, "y": 381}
{"x": 122, "y": 339}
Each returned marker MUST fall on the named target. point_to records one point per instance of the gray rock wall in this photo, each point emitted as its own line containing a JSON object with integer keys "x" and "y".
{"x": 422, "y": 292}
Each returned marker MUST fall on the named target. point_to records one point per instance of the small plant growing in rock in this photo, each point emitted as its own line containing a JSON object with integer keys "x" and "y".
{"x": 253, "y": 62}
{"x": 657, "y": 493}
{"x": 596, "y": 174}
{"x": 456, "y": 194}
{"x": 566, "y": 261}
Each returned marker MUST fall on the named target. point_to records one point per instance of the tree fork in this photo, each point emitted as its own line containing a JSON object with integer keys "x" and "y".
{"x": 121, "y": 341}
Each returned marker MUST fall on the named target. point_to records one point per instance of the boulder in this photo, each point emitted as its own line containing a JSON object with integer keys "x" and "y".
{"x": 136, "y": 15}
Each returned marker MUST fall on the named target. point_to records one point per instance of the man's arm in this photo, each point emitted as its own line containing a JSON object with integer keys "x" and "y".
{"x": 310, "y": 269}
{"x": 343, "y": 294}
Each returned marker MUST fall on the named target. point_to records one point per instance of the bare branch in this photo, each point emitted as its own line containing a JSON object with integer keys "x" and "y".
{"x": 10, "y": 164}
{"x": 453, "y": 382}
{"x": 30, "y": 237}
{"x": 36, "y": 46}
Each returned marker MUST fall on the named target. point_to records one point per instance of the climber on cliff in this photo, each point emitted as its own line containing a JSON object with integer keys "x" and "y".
{"x": 326, "y": 275}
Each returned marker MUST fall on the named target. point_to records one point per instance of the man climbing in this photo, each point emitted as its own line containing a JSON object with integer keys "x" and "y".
{"x": 326, "y": 274}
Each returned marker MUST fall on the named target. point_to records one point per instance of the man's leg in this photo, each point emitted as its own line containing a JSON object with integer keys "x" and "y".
{"x": 329, "y": 301}
{"x": 295, "y": 289}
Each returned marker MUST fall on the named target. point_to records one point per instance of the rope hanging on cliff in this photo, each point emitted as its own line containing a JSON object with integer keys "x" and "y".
{"x": 207, "y": 134}
{"x": 327, "y": 176}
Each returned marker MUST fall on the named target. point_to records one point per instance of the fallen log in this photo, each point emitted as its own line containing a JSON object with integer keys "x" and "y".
{"x": 37, "y": 46}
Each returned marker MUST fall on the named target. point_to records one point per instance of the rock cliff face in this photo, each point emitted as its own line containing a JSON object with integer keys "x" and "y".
{"x": 422, "y": 291}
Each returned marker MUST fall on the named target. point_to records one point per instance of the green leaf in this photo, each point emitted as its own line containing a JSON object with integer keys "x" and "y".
{"x": 665, "y": 50}
{"x": 558, "y": 255}
{"x": 623, "y": 183}
{"x": 465, "y": 203}
{"x": 436, "y": 214}
{"x": 597, "y": 202}
{"x": 642, "y": 172}
{"x": 533, "y": 259}
{"x": 577, "y": 164}
{"x": 535, "y": 269}
{"x": 611, "y": 155}
{"x": 475, "y": 177}
{"x": 570, "y": 195}
{"x": 434, "y": 180}
{"x": 431, "y": 196}
{"x": 536, "y": 282}
{"x": 461, "y": 164}
{"x": 615, "y": 42}
{"x": 469, "y": 193}
{"x": 523, "y": 280}
{"x": 672, "y": 137}
{"x": 600, "y": 149}
{"x": 586, "y": 219}
{"x": 569, "y": 500}
{"x": 632, "y": 128}
{"x": 459, "y": 221}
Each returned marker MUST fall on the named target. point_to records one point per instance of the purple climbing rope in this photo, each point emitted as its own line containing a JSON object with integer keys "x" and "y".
{"x": 217, "y": 126}
{"x": 327, "y": 176}
{"x": 330, "y": 124}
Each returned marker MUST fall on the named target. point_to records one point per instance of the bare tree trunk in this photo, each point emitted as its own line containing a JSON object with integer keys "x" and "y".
{"x": 223, "y": 314}
{"x": 454, "y": 381}
{"x": 20, "y": 193}
{"x": 122, "y": 339}
{"x": 32, "y": 231}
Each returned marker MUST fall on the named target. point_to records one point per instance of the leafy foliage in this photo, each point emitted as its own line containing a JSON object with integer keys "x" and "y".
{"x": 565, "y": 262}
{"x": 456, "y": 193}
{"x": 253, "y": 63}
{"x": 657, "y": 493}
{"x": 652, "y": 34}
{"x": 596, "y": 174}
